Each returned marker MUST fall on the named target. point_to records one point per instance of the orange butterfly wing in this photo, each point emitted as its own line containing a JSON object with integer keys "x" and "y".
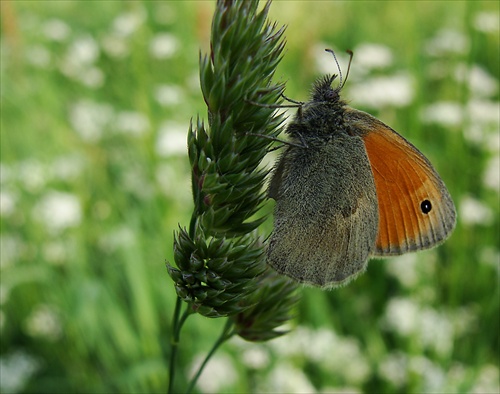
{"x": 415, "y": 208}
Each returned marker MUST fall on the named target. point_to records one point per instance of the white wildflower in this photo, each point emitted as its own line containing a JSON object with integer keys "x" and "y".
{"x": 445, "y": 113}
{"x": 90, "y": 119}
{"x": 488, "y": 380}
{"x": 172, "y": 139}
{"x": 474, "y": 212}
{"x": 58, "y": 211}
{"x": 167, "y": 95}
{"x": 218, "y": 374}
{"x": 56, "y": 30}
{"x": 16, "y": 370}
{"x": 491, "y": 176}
{"x": 370, "y": 56}
{"x": 115, "y": 45}
{"x": 44, "y": 322}
{"x": 480, "y": 82}
{"x": 393, "y": 368}
{"x": 128, "y": 23}
{"x": 8, "y": 201}
{"x": 448, "y": 41}
{"x": 487, "y": 21}
{"x": 286, "y": 378}
{"x": 163, "y": 45}
{"x": 380, "y": 92}
{"x": 131, "y": 122}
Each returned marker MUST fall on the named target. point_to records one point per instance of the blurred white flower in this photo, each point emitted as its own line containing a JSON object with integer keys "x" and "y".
{"x": 474, "y": 212}
{"x": 163, "y": 45}
{"x": 218, "y": 374}
{"x": 490, "y": 256}
{"x": 129, "y": 22}
{"x": 44, "y": 322}
{"x": 401, "y": 315}
{"x": 479, "y": 81}
{"x": 32, "y": 175}
{"x": 380, "y": 92}
{"x": 56, "y": 30}
{"x": 430, "y": 376}
{"x": 83, "y": 51}
{"x": 173, "y": 183}
{"x": 447, "y": 41}
{"x": 487, "y": 21}
{"x": 445, "y": 113}
{"x": 319, "y": 345}
{"x": 256, "y": 357}
{"x": 285, "y": 378}
{"x": 115, "y": 46}
{"x": 131, "y": 122}
{"x": 89, "y": 119}
{"x": 16, "y": 370}
{"x": 484, "y": 112}
{"x": 79, "y": 62}
{"x": 436, "y": 331}
{"x": 92, "y": 77}
{"x": 58, "y": 211}
{"x": 370, "y": 56}
{"x": 393, "y": 368}
{"x": 80, "y": 56}
{"x": 488, "y": 380}
{"x": 172, "y": 139}
{"x": 8, "y": 200}
{"x": 428, "y": 327}
{"x": 167, "y": 95}
{"x": 491, "y": 176}
{"x": 404, "y": 268}
{"x": 483, "y": 126}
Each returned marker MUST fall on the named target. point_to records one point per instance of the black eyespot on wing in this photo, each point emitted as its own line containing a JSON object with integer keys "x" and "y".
{"x": 426, "y": 206}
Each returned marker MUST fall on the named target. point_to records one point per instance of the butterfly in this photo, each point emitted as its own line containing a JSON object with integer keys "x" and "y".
{"x": 348, "y": 188}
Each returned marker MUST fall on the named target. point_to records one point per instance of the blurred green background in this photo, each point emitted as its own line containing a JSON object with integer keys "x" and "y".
{"x": 96, "y": 100}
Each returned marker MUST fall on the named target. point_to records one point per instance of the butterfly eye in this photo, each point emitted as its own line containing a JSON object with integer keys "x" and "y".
{"x": 426, "y": 206}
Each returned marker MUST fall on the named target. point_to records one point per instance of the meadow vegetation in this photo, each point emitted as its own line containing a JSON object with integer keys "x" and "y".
{"x": 96, "y": 99}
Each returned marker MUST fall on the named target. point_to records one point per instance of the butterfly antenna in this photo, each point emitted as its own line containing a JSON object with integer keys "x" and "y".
{"x": 341, "y": 79}
{"x": 351, "y": 54}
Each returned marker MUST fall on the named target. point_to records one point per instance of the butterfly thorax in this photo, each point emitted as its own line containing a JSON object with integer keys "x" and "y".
{"x": 322, "y": 116}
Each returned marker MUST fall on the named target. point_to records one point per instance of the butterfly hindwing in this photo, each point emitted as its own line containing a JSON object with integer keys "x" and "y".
{"x": 326, "y": 212}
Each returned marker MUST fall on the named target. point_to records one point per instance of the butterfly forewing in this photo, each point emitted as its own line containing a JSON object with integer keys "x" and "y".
{"x": 415, "y": 209}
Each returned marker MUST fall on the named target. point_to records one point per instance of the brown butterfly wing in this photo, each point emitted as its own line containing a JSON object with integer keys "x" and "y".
{"x": 415, "y": 208}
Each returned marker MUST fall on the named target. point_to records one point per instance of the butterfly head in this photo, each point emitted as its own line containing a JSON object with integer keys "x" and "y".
{"x": 323, "y": 92}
